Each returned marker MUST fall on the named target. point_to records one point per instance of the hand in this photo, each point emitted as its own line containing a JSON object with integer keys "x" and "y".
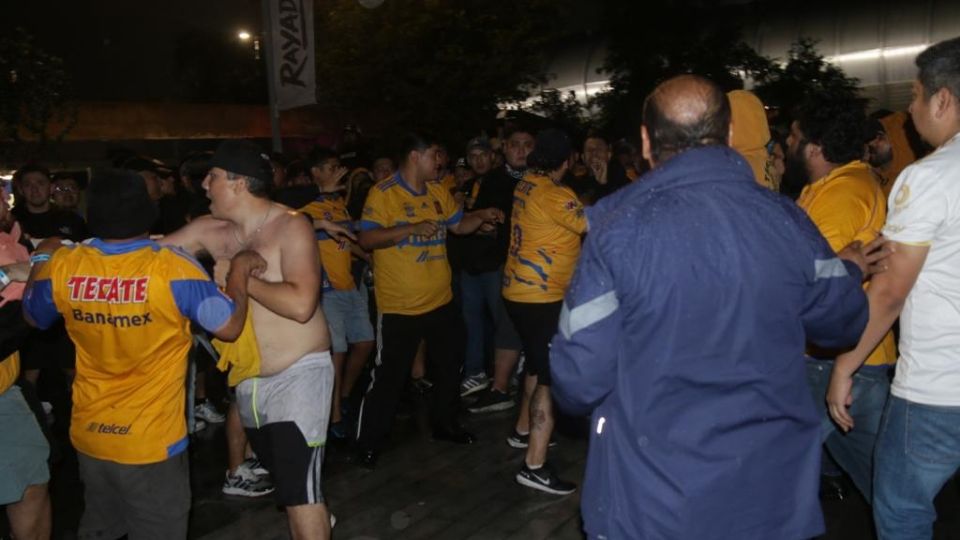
{"x": 49, "y": 245}
{"x": 870, "y": 258}
{"x": 487, "y": 228}
{"x": 339, "y": 173}
{"x": 221, "y": 269}
{"x": 249, "y": 263}
{"x": 840, "y": 398}
{"x": 599, "y": 168}
{"x": 18, "y": 271}
{"x": 491, "y": 215}
{"x": 425, "y": 228}
{"x": 338, "y": 232}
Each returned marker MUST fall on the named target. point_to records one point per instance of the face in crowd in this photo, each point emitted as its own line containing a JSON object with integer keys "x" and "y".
{"x": 66, "y": 193}
{"x": 36, "y": 188}
{"x": 518, "y": 146}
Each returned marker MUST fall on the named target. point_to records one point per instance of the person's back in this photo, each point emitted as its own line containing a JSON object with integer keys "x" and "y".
{"x": 683, "y": 332}
{"x": 129, "y": 393}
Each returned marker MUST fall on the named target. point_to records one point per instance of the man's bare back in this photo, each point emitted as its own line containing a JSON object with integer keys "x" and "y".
{"x": 286, "y": 241}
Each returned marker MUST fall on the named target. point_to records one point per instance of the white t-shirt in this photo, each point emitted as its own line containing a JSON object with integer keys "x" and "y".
{"x": 924, "y": 209}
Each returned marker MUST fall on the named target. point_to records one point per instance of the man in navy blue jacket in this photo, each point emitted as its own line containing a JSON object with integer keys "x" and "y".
{"x": 683, "y": 334}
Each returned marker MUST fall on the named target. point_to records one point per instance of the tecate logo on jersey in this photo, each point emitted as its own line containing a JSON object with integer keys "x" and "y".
{"x": 110, "y": 290}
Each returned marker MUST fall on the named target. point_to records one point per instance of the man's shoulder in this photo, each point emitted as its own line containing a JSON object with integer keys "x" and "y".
{"x": 386, "y": 185}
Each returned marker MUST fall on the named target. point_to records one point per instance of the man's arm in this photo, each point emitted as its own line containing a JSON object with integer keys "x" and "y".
{"x": 372, "y": 237}
{"x": 583, "y": 355}
{"x": 297, "y": 295}
{"x": 243, "y": 266}
{"x": 471, "y": 221}
{"x": 887, "y": 293}
{"x": 39, "y": 309}
{"x": 195, "y": 237}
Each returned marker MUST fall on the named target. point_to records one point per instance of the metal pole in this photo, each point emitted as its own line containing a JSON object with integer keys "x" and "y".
{"x": 271, "y": 82}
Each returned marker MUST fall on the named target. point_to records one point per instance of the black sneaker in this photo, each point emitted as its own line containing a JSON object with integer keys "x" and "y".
{"x": 520, "y": 441}
{"x": 492, "y": 401}
{"x": 545, "y": 480}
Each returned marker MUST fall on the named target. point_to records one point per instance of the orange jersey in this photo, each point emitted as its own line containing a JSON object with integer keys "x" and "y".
{"x": 335, "y": 257}
{"x": 127, "y": 308}
{"x": 548, "y": 221}
{"x": 847, "y": 205}
{"x": 413, "y": 276}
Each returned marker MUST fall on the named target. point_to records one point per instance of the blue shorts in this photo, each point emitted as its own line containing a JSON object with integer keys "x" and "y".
{"x": 23, "y": 448}
{"x": 348, "y": 317}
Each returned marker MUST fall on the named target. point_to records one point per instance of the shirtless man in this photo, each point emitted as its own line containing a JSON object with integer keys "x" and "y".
{"x": 284, "y": 410}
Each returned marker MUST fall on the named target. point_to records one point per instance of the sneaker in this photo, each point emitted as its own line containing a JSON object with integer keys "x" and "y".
{"x": 545, "y": 480}
{"x": 521, "y": 441}
{"x": 421, "y": 385}
{"x": 338, "y": 430}
{"x": 244, "y": 483}
{"x": 208, "y": 413}
{"x": 253, "y": 465}
{"x": 518, "y": 440}
{"x": 492, "y": 401}
{"x": 474, "y": 384}
{"x": 198, "y": 426}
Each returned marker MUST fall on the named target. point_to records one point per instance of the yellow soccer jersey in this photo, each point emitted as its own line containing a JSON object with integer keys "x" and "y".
{"x": 128, "y": 307}
{"x": 847, "y": 205}
{"x": 9, "y": 371}
{"x": 412, "y": 277}
{"x": 548, "y": 221}
{"x": 335, "y": 258}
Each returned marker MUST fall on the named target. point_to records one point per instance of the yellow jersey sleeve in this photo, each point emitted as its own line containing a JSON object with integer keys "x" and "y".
{"x": 848, "y": 211}
{"x": 375, "y": 210}
{"x": 565, "y": 209}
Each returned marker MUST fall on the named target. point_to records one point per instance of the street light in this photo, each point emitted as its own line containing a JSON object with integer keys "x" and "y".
{"x": 243, "y": 35}
{"x": 246, "y": 36}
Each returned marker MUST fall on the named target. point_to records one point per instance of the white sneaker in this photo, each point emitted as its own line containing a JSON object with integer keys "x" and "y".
{"x": 474, "y": 384}
{"x": 244, "y": 483}
{"x": 208, "y": 413}
{"x": 253, "y": 465}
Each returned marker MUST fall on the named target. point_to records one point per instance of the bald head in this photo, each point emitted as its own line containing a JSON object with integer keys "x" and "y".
{"x": 682, "y": 113}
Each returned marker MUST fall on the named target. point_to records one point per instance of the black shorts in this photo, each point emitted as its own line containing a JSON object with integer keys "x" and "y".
{"x": 536, "y": 324}
{"x": 294, "y": 466}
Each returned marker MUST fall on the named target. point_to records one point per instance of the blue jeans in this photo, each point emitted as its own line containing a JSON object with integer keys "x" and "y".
{"x": 853, "y": 451}
{"x": 917, "y": 452}
{"x": 481, "y": 294}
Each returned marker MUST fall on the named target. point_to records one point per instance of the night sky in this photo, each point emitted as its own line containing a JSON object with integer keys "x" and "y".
{"x": 115, "y": 49}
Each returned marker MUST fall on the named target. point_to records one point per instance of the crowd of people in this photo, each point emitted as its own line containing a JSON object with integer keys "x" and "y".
{"x": 721, "y": 336}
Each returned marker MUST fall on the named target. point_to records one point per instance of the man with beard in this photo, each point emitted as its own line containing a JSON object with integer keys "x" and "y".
{"x": 847, "y": 205}
{"x": 879, "y": 152}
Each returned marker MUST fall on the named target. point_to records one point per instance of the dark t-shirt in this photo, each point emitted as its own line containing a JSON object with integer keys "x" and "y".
{"x": 485, "y": 252}
{"x": 296, "y": 196}
{"x": 53, "y": 222}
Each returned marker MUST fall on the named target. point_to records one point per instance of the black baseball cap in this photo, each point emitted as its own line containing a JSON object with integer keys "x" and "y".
{"x": 244, "y": 158}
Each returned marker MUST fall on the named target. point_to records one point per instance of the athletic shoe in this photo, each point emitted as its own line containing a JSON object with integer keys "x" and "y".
{"x": 545, "y": 480}
{"x": 208, "y": 413}
{"x": 253, "y": 465}
{"x": 492, "y": 401}
{"x": 518, "y": 440}
{"x": 198, "y": 426}
{"x": 244, "y": 483}
{"x": 338, "y": 430}
{"x": 474, "y": 384}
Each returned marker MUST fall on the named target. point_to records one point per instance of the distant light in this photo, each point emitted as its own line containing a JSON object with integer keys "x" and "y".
{"x": 875, "y": 54}
{"x": 243, "y": 35}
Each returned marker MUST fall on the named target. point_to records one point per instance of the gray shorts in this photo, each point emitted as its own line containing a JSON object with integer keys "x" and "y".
{"x": 146, "y": 502}
{"x": 23, "y": 448}
{"x": 285, "y": 417}
{"x": 348, "y": 317}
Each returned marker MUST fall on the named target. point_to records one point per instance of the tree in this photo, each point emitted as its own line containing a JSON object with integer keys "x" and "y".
{"x": 653, "y": 42}
{"x": 34, "y": 91}
{"x": 565, "y": 110}
{"x": 431, "y": 65}
{"x": 805, "y": 73}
